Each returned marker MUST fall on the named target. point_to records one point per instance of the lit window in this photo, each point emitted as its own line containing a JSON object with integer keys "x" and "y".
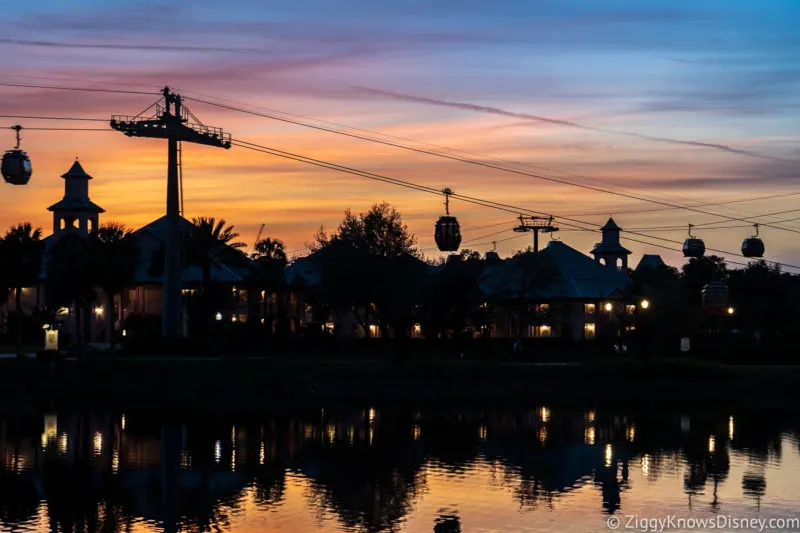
{"x": 416, "y": 330}
{"x": 630, "y": 308}
{"x": 609, "y": 306}
{"x": 589, "y": 330}
{"x": 540, "y": 331}
{"x": 589, "y": 309}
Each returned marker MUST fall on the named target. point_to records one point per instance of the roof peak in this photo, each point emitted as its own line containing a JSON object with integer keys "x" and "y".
{"x": 76, "y": 171}
{"x": 611, "y": 225}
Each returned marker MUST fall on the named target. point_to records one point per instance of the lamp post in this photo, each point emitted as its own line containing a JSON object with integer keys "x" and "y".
{"x": 643, "y": 327}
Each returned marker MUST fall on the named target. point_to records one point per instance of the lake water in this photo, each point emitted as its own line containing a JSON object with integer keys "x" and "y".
{"x": 377, "y": 469}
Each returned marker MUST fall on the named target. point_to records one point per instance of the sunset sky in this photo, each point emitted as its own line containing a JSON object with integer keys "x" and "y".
{"x": 687, "y": 102}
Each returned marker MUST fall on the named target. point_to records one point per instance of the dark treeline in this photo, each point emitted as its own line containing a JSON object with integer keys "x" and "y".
{"x": 371, "y": 268}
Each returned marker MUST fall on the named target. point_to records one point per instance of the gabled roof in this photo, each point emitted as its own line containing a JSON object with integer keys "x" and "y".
{"x": 557, "y": 272}
{"x": 232, "y": 266}
{"x": 650, "y": 261}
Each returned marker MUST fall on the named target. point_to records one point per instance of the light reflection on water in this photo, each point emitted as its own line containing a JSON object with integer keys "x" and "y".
{"x": 387, "y": 470}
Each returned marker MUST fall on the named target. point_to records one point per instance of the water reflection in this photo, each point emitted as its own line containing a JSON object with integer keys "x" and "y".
{"x": 368, "y": 469}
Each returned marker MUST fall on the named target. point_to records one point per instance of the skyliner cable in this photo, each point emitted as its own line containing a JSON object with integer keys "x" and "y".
{"x": 440, "y": 147}
{"x": 477, "y": 201}
{"x": 578, "y": 224}
{"x": 471, "y": 161}
{"x": 430, "y": 152}
{"x": 416, "y": 149}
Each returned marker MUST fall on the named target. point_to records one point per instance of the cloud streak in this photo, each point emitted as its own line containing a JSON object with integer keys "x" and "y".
{"x": 560, "y": 122}
{"x": 153, "y": 47}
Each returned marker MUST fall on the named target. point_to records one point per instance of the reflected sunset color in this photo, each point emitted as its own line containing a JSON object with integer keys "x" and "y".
{"x": 373, "y": 469}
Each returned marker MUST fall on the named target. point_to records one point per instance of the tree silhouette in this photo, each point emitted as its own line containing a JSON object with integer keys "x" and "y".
{"x": 370, "y": 263}
{"x": 115, "y": 256}
{"x": 211, "y": 242}
{"x": 269, "y": 260}
{"x": 378, "y": 232}
{"x": 21, "y": 254}
{"x": 70, "y": 277}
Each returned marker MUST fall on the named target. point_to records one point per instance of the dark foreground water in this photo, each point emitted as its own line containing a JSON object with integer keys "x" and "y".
{"x": 373, "y": 469}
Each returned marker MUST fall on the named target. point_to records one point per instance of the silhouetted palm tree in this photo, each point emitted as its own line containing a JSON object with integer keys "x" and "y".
{"x": 267, "y": 270}
{"x": 210, "y": 239}
{"x": 22, "y": 258}
{"x": 115, "y": 256}
{"x": 210, "y": 242}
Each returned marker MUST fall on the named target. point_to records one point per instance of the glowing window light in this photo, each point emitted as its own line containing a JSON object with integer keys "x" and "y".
{"x": 646, "y": 465}
{"x": 542, "y": 435}
{"x": 372, "y": 414}
{"x": 630, "y": 432}
{"x": 416, "y": 432}
{"x": 609, "y": 306}
{"x": 331, "y": 433}
{"x": 233, "y": 318}
{"x": 97, "y": 444}
{"x": 261, "y": 453}
{"x": 217, "y": 451}
{"x": 122, "y": 423}
{"x": 712, "y": 444}
{"x": 544, "y": 414}
{"x": 590, "y": 416}
{"x": 589, "y": 435}
{"x": 63, "y": 444}
{"x": 730, "y": 428}
{"x": 482, "y": 432}
{"x": 115, "y": 461}
{"x": 609, "y": 455}
{"x": 589, "y": 308}
{"x": 98, "y": 311}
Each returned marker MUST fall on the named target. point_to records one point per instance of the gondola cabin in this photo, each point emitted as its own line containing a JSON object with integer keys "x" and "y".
{"x": 16, "y": 165}
{"x": 447, "y": 234}
{"x": 693, "y": 247}
{"x": 753, "y": 246}
{"x": 715, "y": 298}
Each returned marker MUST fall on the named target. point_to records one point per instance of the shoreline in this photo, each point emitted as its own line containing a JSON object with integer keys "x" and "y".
{"x": 238, "y": 382}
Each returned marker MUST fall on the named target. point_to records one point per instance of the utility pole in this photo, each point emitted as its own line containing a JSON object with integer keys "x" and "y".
{"x": 535, "y": 224}
{"x": 172, "y": 122}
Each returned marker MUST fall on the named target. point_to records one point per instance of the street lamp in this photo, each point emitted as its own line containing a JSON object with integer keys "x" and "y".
{"x": 609, "y": 306}
{"x": 731, "y": 310}
{"x": 645, "y": 303}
